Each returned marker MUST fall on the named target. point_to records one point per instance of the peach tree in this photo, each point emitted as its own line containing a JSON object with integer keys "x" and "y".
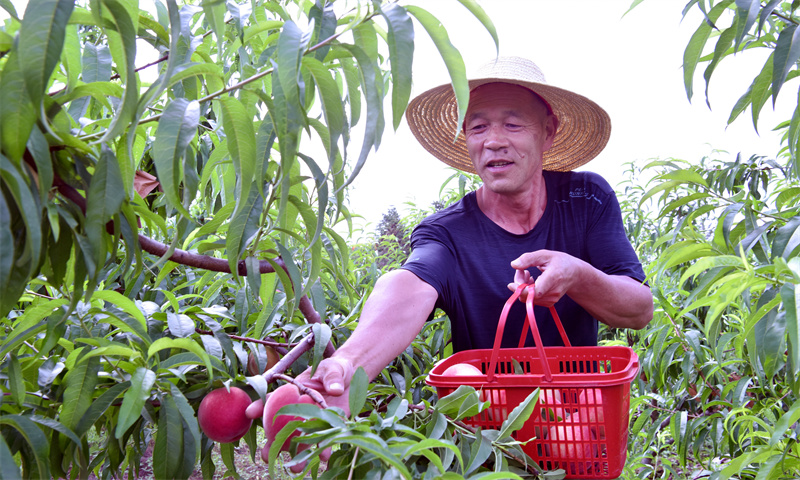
{"x": 173, "y": 200}
{"x": 719, "y": 392}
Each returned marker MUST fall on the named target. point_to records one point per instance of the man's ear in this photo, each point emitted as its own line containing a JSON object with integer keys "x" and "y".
{"x": 550, "y": 128}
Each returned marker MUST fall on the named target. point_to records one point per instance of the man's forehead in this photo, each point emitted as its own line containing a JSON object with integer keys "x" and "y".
{"x": 520, "y": 98}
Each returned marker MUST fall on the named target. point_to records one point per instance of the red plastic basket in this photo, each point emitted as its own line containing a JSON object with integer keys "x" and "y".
{"x": 580, "y": 422}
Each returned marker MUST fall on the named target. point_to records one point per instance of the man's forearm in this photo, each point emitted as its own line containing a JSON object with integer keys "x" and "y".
{"x": 391, "y": 318}
{"x": 616, "y": 300}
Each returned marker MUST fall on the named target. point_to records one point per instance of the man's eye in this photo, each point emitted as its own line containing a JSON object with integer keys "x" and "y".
{"x": 477, "y": 128}
{"x": 513, "y": 126}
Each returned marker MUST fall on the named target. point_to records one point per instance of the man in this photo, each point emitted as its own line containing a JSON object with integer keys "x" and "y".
{"x": 532, "y": 219}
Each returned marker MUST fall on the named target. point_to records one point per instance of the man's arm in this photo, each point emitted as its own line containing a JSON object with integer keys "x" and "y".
{"x": 616, "y": 300}
{"x": 393, "y": 315}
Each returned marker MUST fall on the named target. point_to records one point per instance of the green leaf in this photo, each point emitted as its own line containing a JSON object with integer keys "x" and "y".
{"x": 476, "y": 10}
{"x": 189, "y": 418}
{"x": 332, "y": 106}
{"x": 746, "y": 15}
{"x": 126, "y": 29}
{"x": 720, "y": 51}
{"x": 451, "y": 56}
{"x": 26, "y": 203}
{"x": 358, "y": 392}
{"x": 401, "y": 56}
{"x": 787, "y": 238}
{"x": 168, "y": 450}
{"x": 175, "y": 132}
{"x": 8, "y": 467}
{"x": 180, "y": 325}
{"x": 134, "y": 399}
{"x": 787, "y": 52}
{"x": 81, "y": 381}
{"x": 694, "y": 49}
{"x": 128, "y": 306}
{"x": 9, "y": 7}
{"x": 322, "y": 335}
{"x": 96, "y": 63}
{"x": 16, "y": 380}
{"x": 517, "y": 418}
{"x": 17, "y": 111}
{"x": 760, "y": 90}
{"x": 785, "y": 422}
{"x": 99, "y": 406}
{"x": 244, "y": 225}
{"x": 790, "y": 295}
{"x": 373, "y": 89}
{"x": 104, "y": 200}
{"x": 36, "y": 439}
{"x": 451, "y": 404}
{"x": 41, "y": 39}
{"x": 57, "y": 426}
{"x": 185, "y": 344}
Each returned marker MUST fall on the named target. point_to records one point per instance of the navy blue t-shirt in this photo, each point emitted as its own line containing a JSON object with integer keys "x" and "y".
{"x": 466, "y": 257}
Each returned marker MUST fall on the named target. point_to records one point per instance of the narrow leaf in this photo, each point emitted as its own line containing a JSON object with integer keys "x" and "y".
{"x": 35, "y": 438}
{"x": 358, "y": 391}
{"x": 787, "y": 52}
{"x": 401, "y": 55}
{"x": 175, "y": 131}
{"x": 17, "y": 111}
{"x": 694, "y": 49}
{"x": 451, "y": 56}
{"x": 41, "y": 39}
{"x": 133, "y": 401}
{"x": 126, "y": 29}
{"x": 790, "y": 295}
{"x": 517, "y": 418}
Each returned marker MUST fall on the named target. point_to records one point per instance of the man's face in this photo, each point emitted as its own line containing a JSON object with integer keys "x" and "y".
{"x": 507, "y": 131}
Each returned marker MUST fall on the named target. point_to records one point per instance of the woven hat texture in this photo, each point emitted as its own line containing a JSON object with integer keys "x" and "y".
{"x": 583, "y": 129}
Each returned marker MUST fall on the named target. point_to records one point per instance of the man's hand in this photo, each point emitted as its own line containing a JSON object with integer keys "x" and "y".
{"x": 332, "y": 380}
{"x": 616, "y": 300}
{"x": 559, "y": 270}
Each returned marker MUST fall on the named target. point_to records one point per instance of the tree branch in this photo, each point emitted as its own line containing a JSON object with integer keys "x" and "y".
{"x": 196, "y": 260}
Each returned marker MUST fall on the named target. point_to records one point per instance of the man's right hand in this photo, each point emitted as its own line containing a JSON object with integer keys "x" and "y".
{"x": 332, "y": 380}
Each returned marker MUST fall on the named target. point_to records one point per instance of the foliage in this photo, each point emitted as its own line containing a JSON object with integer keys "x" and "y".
{"x": 162, "y": 219}
{"x": 718, "y": 392}
{"x": 718, "y": 362}
{"x": 742, "y": 25}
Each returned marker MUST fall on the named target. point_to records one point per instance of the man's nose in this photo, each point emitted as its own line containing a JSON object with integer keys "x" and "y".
{"x": 496, "y": 137}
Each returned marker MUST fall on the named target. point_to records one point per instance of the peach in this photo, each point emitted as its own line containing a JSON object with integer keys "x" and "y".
{"x": 462, "y": 369}
{"x": 570, "y": 435}
{"x": 252, "y": 362}
{"x": 221, "y": 414}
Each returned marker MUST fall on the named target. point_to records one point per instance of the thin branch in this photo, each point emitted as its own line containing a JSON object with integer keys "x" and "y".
{"x": 288, "y": 359}
{"x": 315, "y": 395}
{"x": 277, "y": 346}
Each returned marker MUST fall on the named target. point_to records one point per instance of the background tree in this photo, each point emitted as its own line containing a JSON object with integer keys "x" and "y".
{"x": 718, "y": 393}
{"x": 162, "y": 220}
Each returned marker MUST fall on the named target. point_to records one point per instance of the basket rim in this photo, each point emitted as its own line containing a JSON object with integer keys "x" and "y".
{"x": 436, "y": 378}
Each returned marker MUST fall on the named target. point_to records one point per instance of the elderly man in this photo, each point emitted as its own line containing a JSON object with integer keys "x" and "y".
{"x": 533, "y": 219}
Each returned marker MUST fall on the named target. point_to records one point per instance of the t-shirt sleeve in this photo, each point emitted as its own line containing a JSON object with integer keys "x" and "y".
{"x": 431, "y": 258}
{"x": 608, "y": 247}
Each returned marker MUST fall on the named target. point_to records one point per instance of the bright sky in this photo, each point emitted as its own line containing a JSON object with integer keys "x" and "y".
{"x": 630, "y": 66}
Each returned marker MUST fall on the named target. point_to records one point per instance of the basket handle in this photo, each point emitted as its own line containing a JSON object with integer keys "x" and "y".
{"x": 556, "y": 319}
{"x": 534, "y": 329}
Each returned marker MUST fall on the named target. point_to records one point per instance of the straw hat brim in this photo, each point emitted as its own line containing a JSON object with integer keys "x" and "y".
{"x": 583, "y": 129}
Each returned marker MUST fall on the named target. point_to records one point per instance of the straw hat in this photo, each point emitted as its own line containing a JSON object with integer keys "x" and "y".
{"x": 583, "y": 128}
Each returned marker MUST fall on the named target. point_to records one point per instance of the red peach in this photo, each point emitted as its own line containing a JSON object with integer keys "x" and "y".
{"x": 221, "y": 414}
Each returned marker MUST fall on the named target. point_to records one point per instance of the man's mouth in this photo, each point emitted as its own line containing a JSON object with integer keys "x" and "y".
{"x": 498, "y": 163}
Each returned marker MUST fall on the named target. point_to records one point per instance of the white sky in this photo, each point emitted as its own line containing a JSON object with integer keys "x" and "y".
{"x": 630, "y": 66}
